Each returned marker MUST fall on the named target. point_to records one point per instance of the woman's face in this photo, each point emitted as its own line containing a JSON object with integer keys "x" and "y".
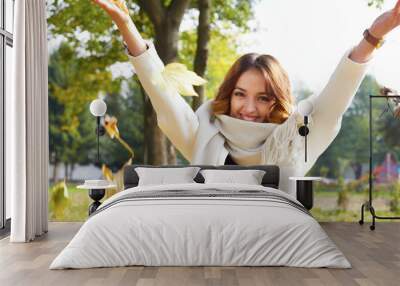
{"x": 249, "y": 100}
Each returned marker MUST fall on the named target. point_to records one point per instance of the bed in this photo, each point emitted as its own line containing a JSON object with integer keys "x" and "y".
{"x": 201, "y": 224}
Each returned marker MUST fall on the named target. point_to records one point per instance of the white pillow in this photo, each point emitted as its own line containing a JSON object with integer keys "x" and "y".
{"x": 248, "y": 177}
{"x": 163, "y": 176}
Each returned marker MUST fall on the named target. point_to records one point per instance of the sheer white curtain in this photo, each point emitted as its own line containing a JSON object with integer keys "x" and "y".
{"x": 27, "y": 123}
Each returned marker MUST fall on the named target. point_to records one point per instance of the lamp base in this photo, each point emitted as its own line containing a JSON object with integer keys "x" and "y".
{"x": 304, "y": 193}
{"x": 96, "y": 195}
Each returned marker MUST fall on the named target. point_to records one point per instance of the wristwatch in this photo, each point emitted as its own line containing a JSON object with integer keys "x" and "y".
{"x": 127, "y": 52}
{"x": 376, "y": 42}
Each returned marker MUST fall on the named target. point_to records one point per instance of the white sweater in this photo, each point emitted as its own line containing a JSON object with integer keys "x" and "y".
{"x": 190, "y": 132}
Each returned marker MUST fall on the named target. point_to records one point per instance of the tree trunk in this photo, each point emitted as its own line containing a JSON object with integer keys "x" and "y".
{"x": 154, "y": 140}
{"x": 201, "y": 57}
{"x": 72, "y": 168}
{"x": 55, "y": 169}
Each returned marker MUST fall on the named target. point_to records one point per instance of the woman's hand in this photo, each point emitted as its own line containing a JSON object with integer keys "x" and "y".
{"x": 379, "y": 29}
{"x": 116, "y": 9}
{"x": 386, "y": 22}
{"x": 119, "y": 13}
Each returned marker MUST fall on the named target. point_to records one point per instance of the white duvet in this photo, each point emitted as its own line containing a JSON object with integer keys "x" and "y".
{"x": 200, "y": 231}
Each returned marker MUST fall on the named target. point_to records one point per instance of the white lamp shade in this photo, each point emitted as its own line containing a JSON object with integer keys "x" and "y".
{"x": 305, "y": 107}
{"x": 98, "y": 107}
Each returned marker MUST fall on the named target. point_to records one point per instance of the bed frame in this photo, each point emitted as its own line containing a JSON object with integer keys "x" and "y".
{"x": 270, "y": 179}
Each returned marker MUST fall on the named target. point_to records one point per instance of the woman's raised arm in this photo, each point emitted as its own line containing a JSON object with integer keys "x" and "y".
{"x": 338, "y": 94}
{"x": 174, "y": 115}
{"x": 378, "y": 30}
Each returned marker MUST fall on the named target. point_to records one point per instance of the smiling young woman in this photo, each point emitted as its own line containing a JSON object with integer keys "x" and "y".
{"x": 256, "y": 88}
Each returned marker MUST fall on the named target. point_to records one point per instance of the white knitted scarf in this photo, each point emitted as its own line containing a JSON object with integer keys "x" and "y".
{"x": 262, "y": 143}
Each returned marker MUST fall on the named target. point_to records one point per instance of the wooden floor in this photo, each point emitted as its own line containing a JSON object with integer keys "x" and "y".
{"x": 375, "y": 256}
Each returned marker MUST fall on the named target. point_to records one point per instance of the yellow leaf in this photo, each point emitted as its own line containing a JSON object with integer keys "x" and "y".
{"x": 110, "y": 124}
{"x": 186, "y": 89}
{"x": 180, "y": 71}
{"x": 179, "y": 77}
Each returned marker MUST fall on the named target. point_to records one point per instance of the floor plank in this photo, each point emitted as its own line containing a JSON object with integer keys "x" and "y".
{"x": 374, "y": 255}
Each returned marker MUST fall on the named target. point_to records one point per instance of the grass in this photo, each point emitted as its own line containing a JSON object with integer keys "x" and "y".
{"x": 75, "y": 208}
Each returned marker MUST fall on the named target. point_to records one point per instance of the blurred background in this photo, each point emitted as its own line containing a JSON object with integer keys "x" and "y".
{"x": 309, "y": 37}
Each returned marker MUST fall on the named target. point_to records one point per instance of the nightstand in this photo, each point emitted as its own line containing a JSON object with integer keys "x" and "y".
{"x": 304, "y": 190}
{"x": 96, "y": 192}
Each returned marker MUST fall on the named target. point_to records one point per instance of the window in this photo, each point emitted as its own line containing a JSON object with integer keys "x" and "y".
{"x": 6, "y": 65}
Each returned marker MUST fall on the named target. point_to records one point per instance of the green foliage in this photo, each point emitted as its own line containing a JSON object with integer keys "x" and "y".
{"x": 232, "y": 12}
{"x": 71, "y": 132}
{"x": 74, "y": 82}
{"x": 69, "y": 18}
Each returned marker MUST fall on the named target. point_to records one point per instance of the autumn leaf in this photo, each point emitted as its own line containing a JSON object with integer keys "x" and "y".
{"x": 110, "y": 124}
{"x": 182, "y": 79}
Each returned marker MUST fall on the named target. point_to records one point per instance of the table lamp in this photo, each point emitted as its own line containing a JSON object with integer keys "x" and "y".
{"x": 305, "y": 108}
{"x": 98, "y": 108}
